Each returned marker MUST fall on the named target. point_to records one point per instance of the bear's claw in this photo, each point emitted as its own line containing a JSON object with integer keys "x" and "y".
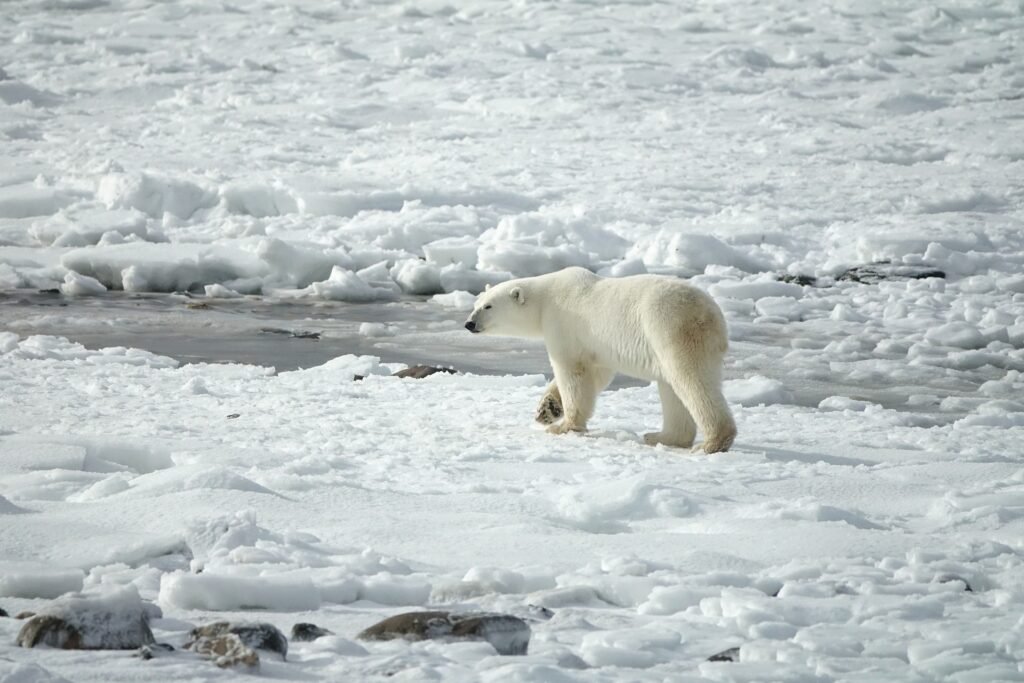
{"x": 549, "y": 411}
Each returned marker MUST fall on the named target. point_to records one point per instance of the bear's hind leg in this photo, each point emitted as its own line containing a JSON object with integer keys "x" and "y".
{"x": 678, "y": 428}
{"x": 578, "y": 386}
{"x": 698, "y": 384}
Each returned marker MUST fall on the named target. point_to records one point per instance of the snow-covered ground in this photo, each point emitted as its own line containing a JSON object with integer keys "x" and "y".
{"x": 281, "y": 161}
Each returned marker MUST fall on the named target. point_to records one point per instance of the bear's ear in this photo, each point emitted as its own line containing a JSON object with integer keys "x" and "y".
{"x": 487, "y": 286}
{"x": 517, "y": 295}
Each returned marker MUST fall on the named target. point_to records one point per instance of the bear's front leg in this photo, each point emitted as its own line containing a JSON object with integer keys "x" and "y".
{"x": 549, "y": 411}
{"x": 578, "y": 386}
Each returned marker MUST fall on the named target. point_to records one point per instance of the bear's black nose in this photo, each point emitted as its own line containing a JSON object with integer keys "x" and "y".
{"x": 471, "y": 326}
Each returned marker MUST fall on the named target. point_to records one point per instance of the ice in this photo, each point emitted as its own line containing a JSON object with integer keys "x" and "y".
{"x": 458, "y": 300}
{"x": 26, "y": 580}
{"x": 81, "y": 285}
{"x": 25, "y": 201}
{"x": 154, "y": 195}
{"x": 210, "y": 592}
{"x": 757, "y": 390}
{"x": 28, "y": 673}
{"x": 188, "y": 175}
{"x": 756, "y": 290}
{"x": 693, "y": 253}
{"x": 344, "y": 285}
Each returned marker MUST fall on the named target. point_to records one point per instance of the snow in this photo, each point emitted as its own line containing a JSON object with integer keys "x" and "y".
{"x": 369, "y": 168}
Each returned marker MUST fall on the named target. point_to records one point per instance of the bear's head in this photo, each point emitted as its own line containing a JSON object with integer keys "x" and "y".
{"x": 504, "y": 310}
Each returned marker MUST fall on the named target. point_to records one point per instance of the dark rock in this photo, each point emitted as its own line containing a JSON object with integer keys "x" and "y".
{"x": 52, "y": 290}
{"x": 802, "y": 280}
{"x": 226, "y": 650}
{"x": 874, "y": 273}
{"x": 730, "y": 655}
{"x": 304, "y": 633}
{"x": 296, "y": 334}
{"x": 147, "y": 652}
{"x": 26, "y": 614}
{"x": 232, "y": 416}
{"x": 507, "y": 634}
{"x": 3, "y": 612}
{"x": 115, "y": 621}
{"x": 421, "y": 371}
{"x": 43, "y": 629}
{"x": 197, "y": 305}
{"x": 261, "y": 635}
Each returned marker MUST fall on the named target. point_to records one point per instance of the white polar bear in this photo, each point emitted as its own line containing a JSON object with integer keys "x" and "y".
{"x": 652, "y": 327}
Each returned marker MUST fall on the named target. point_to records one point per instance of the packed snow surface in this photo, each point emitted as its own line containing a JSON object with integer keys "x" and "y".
{"x": 867, "y": 525}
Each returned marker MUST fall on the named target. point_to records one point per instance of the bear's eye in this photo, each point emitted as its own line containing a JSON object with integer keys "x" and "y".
{"x": 487, "y": 307}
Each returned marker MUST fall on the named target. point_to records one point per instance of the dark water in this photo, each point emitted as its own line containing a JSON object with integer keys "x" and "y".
{"x": 286, "y": 335}
{"x": 293, "y": 334}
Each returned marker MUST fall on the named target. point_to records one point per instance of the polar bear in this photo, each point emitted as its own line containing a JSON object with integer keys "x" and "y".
{"x": 651, "y": 327}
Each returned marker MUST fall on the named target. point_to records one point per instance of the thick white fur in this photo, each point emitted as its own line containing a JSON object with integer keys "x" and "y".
{"x": 647, "y": 326}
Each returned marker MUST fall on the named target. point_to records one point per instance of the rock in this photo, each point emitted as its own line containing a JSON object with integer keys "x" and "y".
{"x": 874, "y": 273}
{"x": 509, "y": 635}
{"x": 114, "y": 620}
{"x": 43, "y": 629}
{"x": 226, "y": 650}
{"x": 26, "y": 614}
{"x": 296, "y": 334}
{"x": 147, "y": 652}
{"x": 3, "y": 612}
{"x": 802, "y": 280}
{"x": 539, "y": 613}
{"x": 730, "y": 655}
{"x": 261, "y": 635}
{"x": 197, "y": 305}
{"x": 421, "y": 371}
{"x": 304, "y": 633}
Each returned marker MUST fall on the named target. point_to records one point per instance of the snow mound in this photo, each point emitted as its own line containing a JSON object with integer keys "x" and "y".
{"x": 606, "y": 507}
{"x": 757, "y": 390}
